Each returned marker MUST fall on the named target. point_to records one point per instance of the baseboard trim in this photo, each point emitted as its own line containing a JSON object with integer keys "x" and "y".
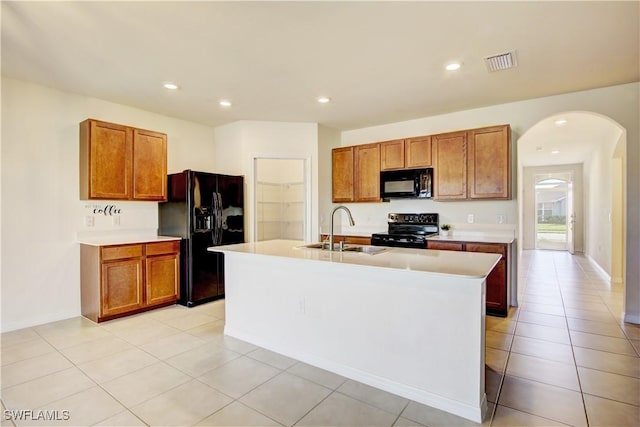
{"x": 28, "y": 323}
{"x": 599, "y": 268}
{"x": 631, "y": 318}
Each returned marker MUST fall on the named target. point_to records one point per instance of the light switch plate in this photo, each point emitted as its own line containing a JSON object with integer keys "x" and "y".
{"x": 470, "y": 218}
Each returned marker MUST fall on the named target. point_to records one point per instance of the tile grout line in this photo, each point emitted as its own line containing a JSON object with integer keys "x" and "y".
{"x": 506, "y": 364}
{"x": 573, "y": 354}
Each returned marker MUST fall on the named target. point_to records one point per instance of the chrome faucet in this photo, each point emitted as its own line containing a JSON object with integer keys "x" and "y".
{"x": 351, "y": 222}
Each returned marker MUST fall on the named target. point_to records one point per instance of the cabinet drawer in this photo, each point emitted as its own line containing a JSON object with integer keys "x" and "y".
{"x": 170, "y": 247}
{"x": 486, "y": 248}
{"x": 444, "y": 246}
{"x": 354, "y": 240}
{"x": 120, "y": 252}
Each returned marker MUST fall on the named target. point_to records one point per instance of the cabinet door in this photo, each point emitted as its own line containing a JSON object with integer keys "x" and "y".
{"x": 417, "y": 152}
{"x": 392, "y": 154}
{"x": 444, "y": 246}
{"x": 489, "y": 163}
{"x": 496, "y": 300}
{"x": 497, "y": 289}
{"x": 367, "y": 173}
{"x": 342, "y": 174}
{"x": 105, "y": 160}
{"x": 121, "y": 286}
{"x": 149, "y": 165}
{"x": 450, "y": 166}
{"x": 163, "y": 278}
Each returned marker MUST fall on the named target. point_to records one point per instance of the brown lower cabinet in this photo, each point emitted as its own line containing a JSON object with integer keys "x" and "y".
{"x": 118, "y": 280}
{"x": 498, "y": 281}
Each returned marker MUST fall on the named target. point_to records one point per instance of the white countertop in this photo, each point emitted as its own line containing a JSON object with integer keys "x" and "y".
{"x": 122, "y": 239}
{"x": 467, "y": 264}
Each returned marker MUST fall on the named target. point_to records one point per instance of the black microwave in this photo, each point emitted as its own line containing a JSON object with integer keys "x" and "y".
{"x": 407, "y": 183}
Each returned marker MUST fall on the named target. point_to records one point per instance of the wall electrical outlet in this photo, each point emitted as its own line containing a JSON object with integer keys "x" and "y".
{"x": 502, "y": 219}
{"x": 89, "y": 221}
{"x": 115, "y": 220}
{"x": 470, "y": 218}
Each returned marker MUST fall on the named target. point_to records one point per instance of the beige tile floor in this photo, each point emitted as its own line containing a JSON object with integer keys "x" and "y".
{"x": 562, "y": 358}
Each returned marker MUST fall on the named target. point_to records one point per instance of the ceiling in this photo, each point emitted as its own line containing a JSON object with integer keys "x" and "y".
{"x": 380, "y": 62}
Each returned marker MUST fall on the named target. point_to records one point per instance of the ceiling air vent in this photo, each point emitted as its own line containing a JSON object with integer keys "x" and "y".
{"x": 501, "y": 61}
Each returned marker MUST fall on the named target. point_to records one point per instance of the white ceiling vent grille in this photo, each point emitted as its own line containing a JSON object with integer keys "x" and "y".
{"x": 501, "y": 61}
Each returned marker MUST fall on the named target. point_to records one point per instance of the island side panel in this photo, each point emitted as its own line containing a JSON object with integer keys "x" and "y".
{"x": 418, "y": 335}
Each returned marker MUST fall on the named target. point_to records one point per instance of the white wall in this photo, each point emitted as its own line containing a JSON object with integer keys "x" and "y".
{"x": 598, "y": 205}
{"x": 619, "y": 205}
{"x": 41, "y": 209}
{"x": 328, "y": 139}
{"x": 238, "y": 143}
{"x": 621, "y": 103}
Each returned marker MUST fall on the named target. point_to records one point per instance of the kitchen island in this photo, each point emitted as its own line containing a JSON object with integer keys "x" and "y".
{"x": 407, "y": 321}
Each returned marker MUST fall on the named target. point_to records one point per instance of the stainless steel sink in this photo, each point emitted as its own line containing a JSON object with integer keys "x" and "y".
{"x": 323, "y": 245}
{"x": 371, "y": 250}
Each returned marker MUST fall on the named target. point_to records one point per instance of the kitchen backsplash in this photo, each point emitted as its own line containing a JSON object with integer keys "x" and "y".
{"x": 499, "y": 216}
{"x": 112, "y": 215}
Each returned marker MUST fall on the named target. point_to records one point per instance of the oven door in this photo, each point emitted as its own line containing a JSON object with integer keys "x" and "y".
{"x": 398, "y": 241}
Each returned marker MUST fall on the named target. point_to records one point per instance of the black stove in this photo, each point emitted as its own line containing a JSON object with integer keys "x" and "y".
{"x": 408, "y": 230}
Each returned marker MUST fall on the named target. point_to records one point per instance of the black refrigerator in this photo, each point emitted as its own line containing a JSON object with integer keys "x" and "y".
{"x": 204, "y": 209}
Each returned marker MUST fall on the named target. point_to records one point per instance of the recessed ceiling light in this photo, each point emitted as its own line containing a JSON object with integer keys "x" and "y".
{"x": 225, "y": 103}
{"x": 170, "y": 86}
{"x": 555, "y": 151}
{"x": 324, "y": 99}
{"x": 561, "y": 122}
{"x": 453, "y": 66}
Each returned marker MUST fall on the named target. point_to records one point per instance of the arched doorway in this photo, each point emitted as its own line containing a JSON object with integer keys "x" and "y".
{"x": 594, "y": 147}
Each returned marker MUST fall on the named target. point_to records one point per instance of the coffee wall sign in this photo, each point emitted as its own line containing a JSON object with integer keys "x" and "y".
{"x": 106, "y": 210}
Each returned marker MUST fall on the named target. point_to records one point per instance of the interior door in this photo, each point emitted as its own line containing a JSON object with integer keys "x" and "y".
{"x": 571, "y": 219}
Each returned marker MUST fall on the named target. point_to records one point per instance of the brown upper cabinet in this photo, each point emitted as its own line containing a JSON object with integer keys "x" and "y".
{"x": 489, "y": 163}
{"x": 342, "y": 174}
{"x": 474, "y": 164}
{"x": 122, "y": 163}
{"x": 405, "y": 153}
{"x": 450, "y": 165}
{"x": 367, "y": 173}
{"x": 356, "y": 173}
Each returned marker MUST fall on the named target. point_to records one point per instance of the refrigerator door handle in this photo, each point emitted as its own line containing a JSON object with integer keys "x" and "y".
{"x": 214, "y": 219}
{"x": 219, "y": 218}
